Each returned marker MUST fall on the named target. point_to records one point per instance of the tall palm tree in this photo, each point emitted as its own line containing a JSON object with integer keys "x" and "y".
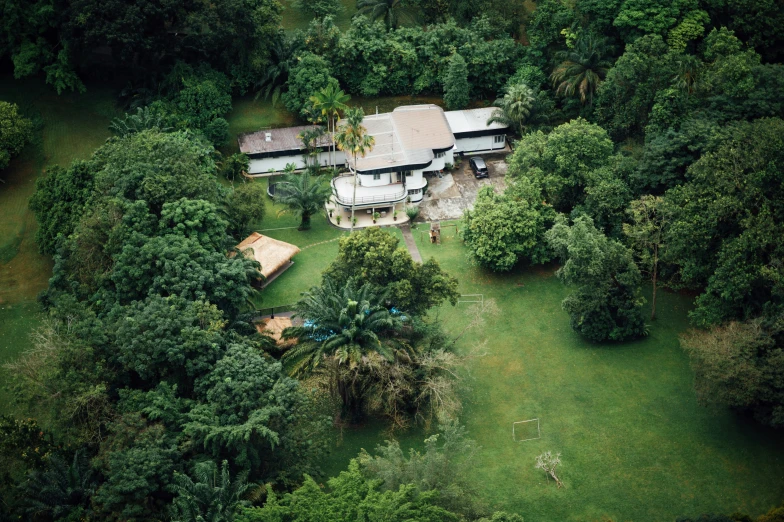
{"x": 391, "y": 11}
{"x": 515, "y": 108}
{"x": 303, "y": 194}
{"x": 214, "y": 496}
{"x": 331, "y": 100}
{"x": 310, "y": 140}
{"x": 582, "y": 69}
{"x": 352, "y": 137}
{"x": 344, "y": 327}
{"x": 60, "y": 490}
{"x": 273, "y": 83}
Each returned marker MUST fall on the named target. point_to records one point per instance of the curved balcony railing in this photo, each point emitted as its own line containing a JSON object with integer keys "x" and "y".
{"x": 389, "y": 197}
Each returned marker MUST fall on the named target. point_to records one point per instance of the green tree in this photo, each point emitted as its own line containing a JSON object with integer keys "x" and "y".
{"x": 582, "y": 69}
{"x": 348, "y": 326}
{"x": 213, "y": 496}
{"x": 352, "y": 138}
{"x": 309, "y": 74}
{"x": 235, "y": 166}
{"x": 244, "y": 206}
{"x": 562, "y": 161}
{"x": 740, "y": 365}
{"x": 274, "y": 80}
{"x": 331, "y": 100}
{"x": 504, "y": 229}
{"x": 61, "y": 491}
{"x": 725, "y": 232}
{"x": 144, "y": 118}
{"x": 649, "y": 221}
{"x": 247, "y": 407}
{"x": 607, "y": 303}
{"x": 303, "y": 194}
{"x": 456, "y": 86}
{"x": 15, "y": 132}
{"x": 515, "y": 108}
{"x": 375, "y": 256}
{"x": 59, "y": 201}
{"x": 350, "y": 496}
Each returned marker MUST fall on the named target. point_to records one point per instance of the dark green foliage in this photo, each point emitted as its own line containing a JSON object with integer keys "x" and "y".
{"x": 193, "y": 219}
{"x": 144, "y": 118}
{"x": 376, "y": 257}
{"x": 61, "y": 491}
{"x": 58, "y": 202}
{"x": 741, "y": 365}
{"x": 318, "y": 8}
{"x": 234, "y": 166}
{"x": 581, "y": 69}
{"x": 607, "y": 303}
{"x": 456, "y": 88}
{"x": 391, "y": 12}
{"x": 727, "y": 223}
{"x": 504, "y": 229}
{"x": 15, "y": 132}
{"x": 245, "y": 206}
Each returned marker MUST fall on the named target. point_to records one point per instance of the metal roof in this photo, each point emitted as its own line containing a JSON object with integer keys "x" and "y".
{"x": 472, "y": 120}
{"x": 283, "y": 139}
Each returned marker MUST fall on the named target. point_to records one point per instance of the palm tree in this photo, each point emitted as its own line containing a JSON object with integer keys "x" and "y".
{"x": 582, "y": 68}
{"x": 60, "y": 490}
{"x": 344, "y": 327}
{"x": 687, "y": 77}
{"x": 352, "y": 137}
{"x": 515, "y": 108}
{"x": 273, "y": 83}
{"x": 330, "y": 101}
{"x": 214, "y": 496}
{"x": 144, "y": 119}
{"x": 391, "y": 11}
{"x": 303, "y": 194}
{"x": 310, "y": 140}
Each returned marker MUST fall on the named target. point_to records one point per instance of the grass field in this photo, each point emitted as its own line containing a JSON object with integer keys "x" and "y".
{"x": 72, "y": 126}
{"x": 635, "y": 445}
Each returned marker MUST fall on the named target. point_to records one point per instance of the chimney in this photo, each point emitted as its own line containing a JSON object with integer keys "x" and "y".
{"x": 268, "y": 136}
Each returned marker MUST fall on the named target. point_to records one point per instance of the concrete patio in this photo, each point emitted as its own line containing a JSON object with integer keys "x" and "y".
{"x": 364, "y": 216}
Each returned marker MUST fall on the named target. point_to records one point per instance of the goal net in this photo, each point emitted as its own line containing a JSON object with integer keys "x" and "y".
{"x": 526, "y": 430}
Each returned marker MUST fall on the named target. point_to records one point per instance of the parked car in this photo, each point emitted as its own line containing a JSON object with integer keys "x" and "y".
{"x": 479, "y": 168}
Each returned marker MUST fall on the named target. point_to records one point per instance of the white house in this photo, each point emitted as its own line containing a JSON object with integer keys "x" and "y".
{"x": 409, "y": 142}
{"x": 473, "y": 134}
{"x": 271, "y": 150}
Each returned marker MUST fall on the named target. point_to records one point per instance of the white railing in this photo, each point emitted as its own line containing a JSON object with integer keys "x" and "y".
{"x": 364, "y": 200}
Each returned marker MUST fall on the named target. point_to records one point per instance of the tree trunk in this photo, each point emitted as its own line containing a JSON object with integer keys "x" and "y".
{"x": 655, "y": 273}
{"x": 354, "y": 198}
{"x": 305, "y": 223}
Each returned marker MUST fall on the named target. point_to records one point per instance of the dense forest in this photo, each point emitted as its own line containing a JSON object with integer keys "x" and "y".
{"x": 648, "y": 151}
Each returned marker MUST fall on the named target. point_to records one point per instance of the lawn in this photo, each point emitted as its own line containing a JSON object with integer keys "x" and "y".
{"x": 635, "y": 445}
{"x": 294, "y": 18}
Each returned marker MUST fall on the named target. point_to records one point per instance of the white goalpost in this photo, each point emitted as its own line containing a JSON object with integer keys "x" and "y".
{"x": 471, "y": 298}
{"x": 526, "y": 430}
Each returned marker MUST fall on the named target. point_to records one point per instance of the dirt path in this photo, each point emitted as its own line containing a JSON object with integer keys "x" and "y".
{"x": 408, "y": 237}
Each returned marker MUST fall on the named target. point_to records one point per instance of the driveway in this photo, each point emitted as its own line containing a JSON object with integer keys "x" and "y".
{"x": 455, "y": 192}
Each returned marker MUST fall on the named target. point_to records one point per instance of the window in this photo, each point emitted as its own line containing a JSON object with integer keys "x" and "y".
{"x": 407, "y": 173}
{"x": 440, "y": 154}
{"x": 415, "y": 191}
{"x": 376, "y": 176}
{"x": 498, "y": 139}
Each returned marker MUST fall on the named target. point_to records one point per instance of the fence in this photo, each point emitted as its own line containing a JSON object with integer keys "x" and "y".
{"x": 272, "y": 310}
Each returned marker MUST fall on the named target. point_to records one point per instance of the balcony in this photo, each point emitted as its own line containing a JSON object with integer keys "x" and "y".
{"x": 343, "y": 190}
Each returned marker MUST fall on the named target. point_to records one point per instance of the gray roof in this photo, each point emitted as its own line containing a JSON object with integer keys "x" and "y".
{"x": 407, "y": 136}
{"x": 283, "y": 139}
{"x": 472, "y": 120}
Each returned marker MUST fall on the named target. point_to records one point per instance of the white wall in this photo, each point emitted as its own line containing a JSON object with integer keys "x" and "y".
{"x": 482, "y": 143}
{"x": 263, "y": 166}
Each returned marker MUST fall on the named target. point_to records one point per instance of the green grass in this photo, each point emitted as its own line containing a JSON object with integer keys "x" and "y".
{"x": 635, "y": 445}
{"x": 294, "y": 18}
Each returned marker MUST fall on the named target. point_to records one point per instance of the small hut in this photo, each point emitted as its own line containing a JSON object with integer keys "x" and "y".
{"x": 274, "y": 328}
{"x": 273, "y": 255}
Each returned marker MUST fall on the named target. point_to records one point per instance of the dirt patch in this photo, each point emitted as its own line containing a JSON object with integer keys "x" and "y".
{"x": 450, "y": 196}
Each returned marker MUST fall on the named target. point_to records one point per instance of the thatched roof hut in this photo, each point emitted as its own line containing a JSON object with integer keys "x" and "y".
{"x": 273, "y": 255}
{"x": 274, "y": 328}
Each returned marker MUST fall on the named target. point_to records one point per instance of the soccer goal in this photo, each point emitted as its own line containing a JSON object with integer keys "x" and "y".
{"x": 526, "y": 430}
{"x": 471, "y": 298}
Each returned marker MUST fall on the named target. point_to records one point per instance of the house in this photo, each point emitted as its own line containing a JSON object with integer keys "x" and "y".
{"x": 409, "y": 142}
{"x": 270, "y": 150}
{"x": 473, "y": 134}
{"x": 273, "y": 255}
